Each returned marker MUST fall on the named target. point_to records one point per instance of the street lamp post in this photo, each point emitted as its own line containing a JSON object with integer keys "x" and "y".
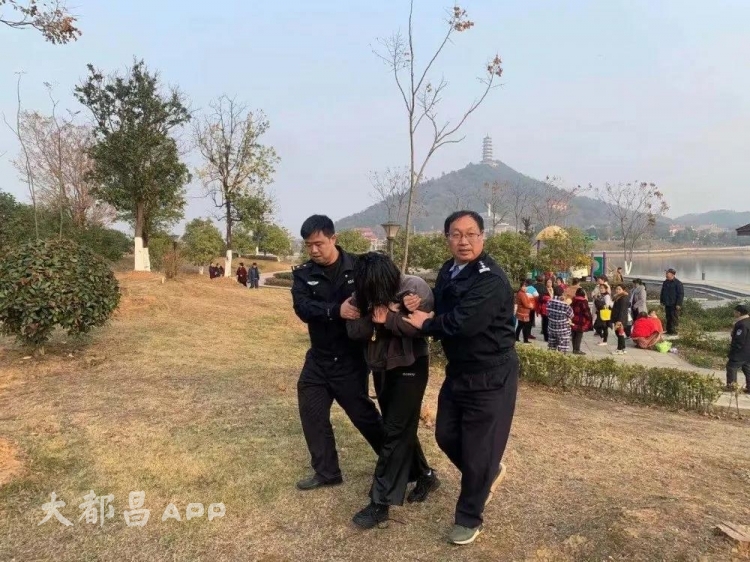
{"x": 391, "y": 230}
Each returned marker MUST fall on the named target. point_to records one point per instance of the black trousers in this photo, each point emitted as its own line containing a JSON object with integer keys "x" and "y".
{"x": 323, "y": 380}
{"x": 532, "y": 318}
{"x": 401, "y": 460}
{"x": 577, "y": 339}
{"x": 524, "y": 327}
{"x": 602, "y": 329}
{"x": 673, "y": 319}
{"x": 254, "y": 283}
{"x": 475, "y": 412}
{"x": 733, "y": 367}
{"x": 545, "y": 327}
{"x": 621, "y": 342}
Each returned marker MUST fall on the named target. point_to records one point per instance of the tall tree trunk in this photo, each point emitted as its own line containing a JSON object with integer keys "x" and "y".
{"x": 228, "y": 268}
{"x": 413, "y": 186}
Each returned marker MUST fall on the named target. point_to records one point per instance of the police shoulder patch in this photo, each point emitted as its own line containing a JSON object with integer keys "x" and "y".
{"x": 482, "y": 267}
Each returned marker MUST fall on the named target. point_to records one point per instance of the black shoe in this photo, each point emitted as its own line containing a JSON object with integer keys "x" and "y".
{"x": 579, "y": 353}
{"x": 316, "y": 481}
{"x": 371, "y": 516}
{"x": 425, "y": 484}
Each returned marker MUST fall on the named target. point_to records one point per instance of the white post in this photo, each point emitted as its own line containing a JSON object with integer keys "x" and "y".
{"x": 142, "y": 262}
{"x": 228, "y": 267}
{"x": 200, "y": 270}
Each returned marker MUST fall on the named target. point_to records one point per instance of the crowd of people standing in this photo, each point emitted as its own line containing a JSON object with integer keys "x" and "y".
{"x": 567, "y": 312}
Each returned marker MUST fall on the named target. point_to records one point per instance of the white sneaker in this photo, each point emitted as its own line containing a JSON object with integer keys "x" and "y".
{"x": 602, "y": 343}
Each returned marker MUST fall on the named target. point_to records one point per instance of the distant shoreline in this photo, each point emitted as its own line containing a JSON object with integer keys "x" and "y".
{"x": 733, "y": 250}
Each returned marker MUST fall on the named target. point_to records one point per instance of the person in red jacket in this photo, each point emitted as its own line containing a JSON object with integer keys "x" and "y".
{"x": 646, "y": 332}
{"x": 242, "y": 275}
{"x": 583, "y": 321}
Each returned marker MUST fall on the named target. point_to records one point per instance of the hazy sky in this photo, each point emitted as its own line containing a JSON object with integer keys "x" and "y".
{"x": 592, "y": 91}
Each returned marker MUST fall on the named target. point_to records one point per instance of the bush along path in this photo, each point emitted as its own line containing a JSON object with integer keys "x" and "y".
{"x": 669, "y": 387}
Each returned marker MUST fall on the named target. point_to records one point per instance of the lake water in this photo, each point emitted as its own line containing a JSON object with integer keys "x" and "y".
{"x": 734, "y": 269}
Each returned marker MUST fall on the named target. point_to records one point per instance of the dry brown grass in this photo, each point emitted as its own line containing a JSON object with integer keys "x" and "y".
{"x": 205, "y": 411}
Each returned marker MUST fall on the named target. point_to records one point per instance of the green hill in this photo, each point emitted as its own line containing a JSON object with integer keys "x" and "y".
{"x": 437, "y": 199}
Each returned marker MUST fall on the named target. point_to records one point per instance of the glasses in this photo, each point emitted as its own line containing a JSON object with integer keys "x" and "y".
{"x": 458, "y": 236}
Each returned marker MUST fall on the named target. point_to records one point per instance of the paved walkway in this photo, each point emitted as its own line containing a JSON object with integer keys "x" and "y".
{"x": 647, "y": 358}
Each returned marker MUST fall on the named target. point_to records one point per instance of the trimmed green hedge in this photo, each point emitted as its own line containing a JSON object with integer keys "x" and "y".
{"x": 283, "y": 275}
{"x": 671, "y": 388}
{"x": 278, "y": 282}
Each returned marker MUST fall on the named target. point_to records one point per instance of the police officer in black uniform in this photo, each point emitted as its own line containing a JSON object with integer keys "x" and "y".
{"x": 335, "y": 367}
{"x": 473, "y": 319}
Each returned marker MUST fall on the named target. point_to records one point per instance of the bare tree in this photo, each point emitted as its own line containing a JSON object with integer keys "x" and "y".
{"x": 552, "y": 205}
{"x": 391, "y": 187}
{"x": 519, "y": 202}
{"x": 236, "y": 167}
{"x": 51, "y": 18}
{"x": 26, "y": 171}
{"x": 634, "y": 207}
{"x": 494, "y": 197}
{"x": 58, "y": 152}
{"x": 457, "y": 198}
{"x": 421, "y": 97}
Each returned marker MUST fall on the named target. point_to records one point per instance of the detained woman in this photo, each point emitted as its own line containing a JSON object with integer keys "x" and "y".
{"x": 399, "y": 359}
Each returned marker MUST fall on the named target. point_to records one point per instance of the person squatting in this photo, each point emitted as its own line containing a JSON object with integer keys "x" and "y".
{"x": 364, "y": 316}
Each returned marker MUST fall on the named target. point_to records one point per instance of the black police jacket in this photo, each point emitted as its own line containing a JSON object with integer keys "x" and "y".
{"x": 473, "y": 315}
{"x": 672, "y": 293}
{"x": 317, "y": 302}
{"x": 739, "y": 349}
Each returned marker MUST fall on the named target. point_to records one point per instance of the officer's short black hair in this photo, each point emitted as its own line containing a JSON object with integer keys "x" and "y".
{"x": 453, "y": 217}
{"x": 317, "y": 223}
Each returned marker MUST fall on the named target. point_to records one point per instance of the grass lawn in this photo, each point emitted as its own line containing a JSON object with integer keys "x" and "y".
{"x": 189, "y": 395}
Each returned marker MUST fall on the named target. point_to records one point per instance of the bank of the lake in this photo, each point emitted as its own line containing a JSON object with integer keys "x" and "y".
{"x": 712, "y": 265}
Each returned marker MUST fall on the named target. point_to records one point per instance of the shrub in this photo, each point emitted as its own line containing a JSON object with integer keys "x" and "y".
{"x": 672, "y": 388}
{"x": 54, "y": 283}
{"x": 277, "y": 282}
{"x": 172, "y": 262}
{"x": 283, "y": 275}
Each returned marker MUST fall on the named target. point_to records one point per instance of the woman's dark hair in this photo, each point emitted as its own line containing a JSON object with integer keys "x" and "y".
{"x": 317, "y": 223}
{"x": 453, "y": 217}
{"x": 580, "y": 293}
{"x": 643, "y": 315}
{"x": 558, "y": 291}
{"x": 376, "y": 281}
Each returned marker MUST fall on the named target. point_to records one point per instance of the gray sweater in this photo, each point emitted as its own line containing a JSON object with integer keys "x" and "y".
{"x": 397, "y": 343}
{"x": 638, "y": 299}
